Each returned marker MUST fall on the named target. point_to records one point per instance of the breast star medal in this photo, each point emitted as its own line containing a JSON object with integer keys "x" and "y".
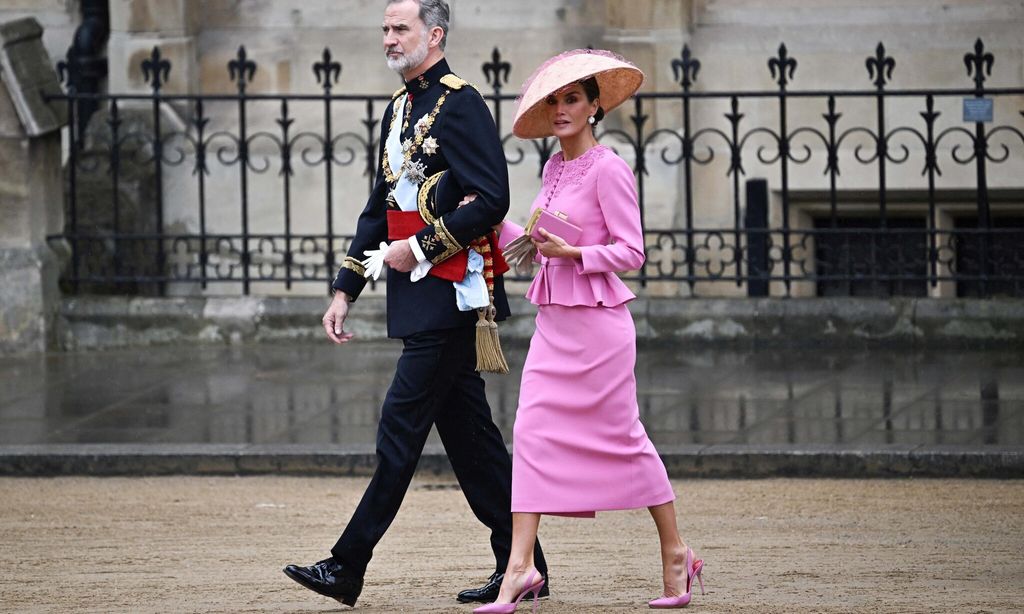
{"x": 423, "y": 124}
{"x": 416, "y": 171}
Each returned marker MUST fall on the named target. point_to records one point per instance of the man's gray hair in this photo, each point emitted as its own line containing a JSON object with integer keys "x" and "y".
{"x": 435, "y": 14}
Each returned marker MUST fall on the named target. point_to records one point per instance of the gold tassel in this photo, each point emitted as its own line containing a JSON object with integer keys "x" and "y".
{"x": 483, "y": 334}
{"x": 501, "y": 365}
{"x": 489, "y": 357}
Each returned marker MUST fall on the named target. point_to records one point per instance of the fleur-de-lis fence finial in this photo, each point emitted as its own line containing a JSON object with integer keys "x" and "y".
{"x": 155, "y": 70}
{"x": 685, "y": 68}
{"x": 241, "y": 69}
{"x": 496, "y": 71}
{"x": 880, "y": 67}
{"x": 327, "y": 71}
{"x": 979, "y": 64}
{"x": 781, "y": 64}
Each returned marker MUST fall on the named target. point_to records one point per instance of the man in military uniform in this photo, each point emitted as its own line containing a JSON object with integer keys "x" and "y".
{"x": 438, "y": 145}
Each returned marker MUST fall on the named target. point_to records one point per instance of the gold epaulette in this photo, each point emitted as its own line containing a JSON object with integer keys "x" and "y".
{"x": 398, "y": 92}
{"x": 454, "y": 82}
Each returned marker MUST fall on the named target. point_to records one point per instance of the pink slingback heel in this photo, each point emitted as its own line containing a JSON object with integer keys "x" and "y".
{"x": 508, "y": 608}
{"x": 693, "y": 570}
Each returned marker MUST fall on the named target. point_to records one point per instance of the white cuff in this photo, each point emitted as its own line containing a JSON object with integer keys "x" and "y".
{"x": 416, "y": 249}
{"x": 420, "y": 271}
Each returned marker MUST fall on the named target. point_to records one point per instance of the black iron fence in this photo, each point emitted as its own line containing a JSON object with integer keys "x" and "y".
{"x": 818, "y": 235}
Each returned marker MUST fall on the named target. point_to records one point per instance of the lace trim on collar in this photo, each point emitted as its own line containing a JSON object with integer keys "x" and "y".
{"x": 558, "y": 173}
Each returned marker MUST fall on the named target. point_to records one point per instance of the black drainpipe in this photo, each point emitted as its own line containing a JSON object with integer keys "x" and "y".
{"x": 86, "y": 64}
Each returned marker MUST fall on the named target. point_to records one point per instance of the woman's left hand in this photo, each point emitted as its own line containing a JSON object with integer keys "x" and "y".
{"x": 555, "y": 246}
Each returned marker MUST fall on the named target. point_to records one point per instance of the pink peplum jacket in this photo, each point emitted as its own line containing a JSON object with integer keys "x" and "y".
{"x": 597, "y": 193}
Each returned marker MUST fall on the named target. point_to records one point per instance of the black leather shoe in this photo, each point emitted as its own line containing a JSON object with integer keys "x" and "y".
{"x": 489, "y": 592}
{"x": 330, "y": 579}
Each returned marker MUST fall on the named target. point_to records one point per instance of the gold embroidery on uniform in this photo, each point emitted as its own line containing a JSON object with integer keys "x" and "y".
{"x": 451, "y": 246}
{"x": 354, "y": 265}
{"x": 457, "y": 83}
{"x": 453, "y": 81}
{"x": 423, "y": 128}
{"x": 429, "y": 241}
{"x": 423, "y": 196}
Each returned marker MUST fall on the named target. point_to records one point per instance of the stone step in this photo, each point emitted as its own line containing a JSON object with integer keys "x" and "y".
{"x": 712, "y": 461}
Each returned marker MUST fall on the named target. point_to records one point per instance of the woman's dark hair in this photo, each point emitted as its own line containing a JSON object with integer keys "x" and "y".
{"x": 593, "y": 92}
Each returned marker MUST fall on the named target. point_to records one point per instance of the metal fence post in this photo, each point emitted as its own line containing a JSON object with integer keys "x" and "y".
{"x": 755, "y": 221}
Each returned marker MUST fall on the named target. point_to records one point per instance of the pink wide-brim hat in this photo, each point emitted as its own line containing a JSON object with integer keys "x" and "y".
{"x": 617, "y": 78}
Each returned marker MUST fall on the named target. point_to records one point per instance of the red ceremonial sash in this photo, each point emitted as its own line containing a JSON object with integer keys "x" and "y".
{"x": 404, "y": 224}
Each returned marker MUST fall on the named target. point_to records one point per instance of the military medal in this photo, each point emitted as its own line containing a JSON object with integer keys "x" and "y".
{"x": 416, "y": 171}
{"x": 423, "y": 124}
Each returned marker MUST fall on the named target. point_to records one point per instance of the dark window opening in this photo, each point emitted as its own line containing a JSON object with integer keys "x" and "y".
{"x": 1001, "y": 251}
{"x": 863, "y": 259}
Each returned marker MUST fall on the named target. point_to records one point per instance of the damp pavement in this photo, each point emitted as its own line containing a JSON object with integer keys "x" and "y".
{"x": 312, "y": 408}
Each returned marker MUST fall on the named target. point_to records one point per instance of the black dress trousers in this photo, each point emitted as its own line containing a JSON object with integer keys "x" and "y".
{"x": 436, "y": 383}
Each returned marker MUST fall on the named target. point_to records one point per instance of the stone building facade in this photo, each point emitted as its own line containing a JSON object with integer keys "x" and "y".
{"x": 733, "y": 40}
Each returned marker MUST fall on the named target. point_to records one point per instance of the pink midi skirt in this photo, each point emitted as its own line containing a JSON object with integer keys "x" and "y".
{"x": 578, "y": 444}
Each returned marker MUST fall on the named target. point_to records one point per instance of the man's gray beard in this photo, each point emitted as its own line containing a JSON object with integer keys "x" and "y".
{"x": 410, "y": 60}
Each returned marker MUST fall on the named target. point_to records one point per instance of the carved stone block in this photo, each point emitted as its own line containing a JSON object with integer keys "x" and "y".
{"x": 28, "y": 72}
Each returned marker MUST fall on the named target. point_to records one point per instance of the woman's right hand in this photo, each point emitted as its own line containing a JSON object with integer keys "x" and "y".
{"x": 470, "y": 198}
{"x": 554, "y": 246}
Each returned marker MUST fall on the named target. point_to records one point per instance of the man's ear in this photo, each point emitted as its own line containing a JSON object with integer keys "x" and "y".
{"x": 436, "y": 34}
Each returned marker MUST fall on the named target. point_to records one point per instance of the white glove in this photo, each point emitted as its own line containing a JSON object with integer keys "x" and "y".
{"x": 520, "y": 254}
{"x": 374, "y": 262}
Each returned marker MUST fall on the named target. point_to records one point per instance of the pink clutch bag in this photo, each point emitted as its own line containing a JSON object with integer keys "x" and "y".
{"x": 556, "y": 223}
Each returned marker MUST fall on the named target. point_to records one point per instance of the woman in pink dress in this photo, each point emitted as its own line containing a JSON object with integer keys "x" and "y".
{"x": 578, "y": 444}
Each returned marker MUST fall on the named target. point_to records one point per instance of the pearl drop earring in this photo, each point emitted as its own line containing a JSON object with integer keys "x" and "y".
{"x": 591, "y": 120}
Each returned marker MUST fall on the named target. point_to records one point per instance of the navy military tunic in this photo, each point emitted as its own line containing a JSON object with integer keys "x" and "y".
{"x": 469, "y": 159}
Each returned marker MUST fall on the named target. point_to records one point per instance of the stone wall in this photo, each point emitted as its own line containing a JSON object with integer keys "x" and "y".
{"x": 90, "y": 323}
{"x": 59, "y": 19}
{"x": 733, "y": 39}
{"x": 31, "y": 193}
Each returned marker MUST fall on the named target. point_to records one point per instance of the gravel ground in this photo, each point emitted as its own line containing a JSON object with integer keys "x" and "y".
{"x": 189, "y": 544}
